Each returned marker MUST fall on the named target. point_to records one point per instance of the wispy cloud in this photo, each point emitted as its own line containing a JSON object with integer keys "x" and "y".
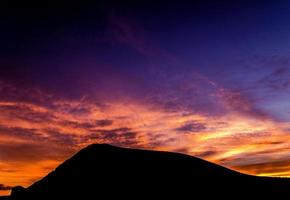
{"x": 5, "y": 187}
{"x": 191, "y": 127}
{"x": 276, "y": 168}
{"x": 45, "y": 130}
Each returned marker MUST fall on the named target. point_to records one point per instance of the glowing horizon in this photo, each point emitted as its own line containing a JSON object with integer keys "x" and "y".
{"x": 47, "y": 135}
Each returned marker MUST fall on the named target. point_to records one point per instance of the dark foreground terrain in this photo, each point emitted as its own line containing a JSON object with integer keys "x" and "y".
{"x": 109, "y": 172}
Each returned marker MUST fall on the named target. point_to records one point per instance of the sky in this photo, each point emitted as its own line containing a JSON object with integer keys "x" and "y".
{"x": 205, "y": 78}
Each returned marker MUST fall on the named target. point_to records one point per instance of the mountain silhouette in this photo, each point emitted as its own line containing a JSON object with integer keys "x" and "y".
{"x": 103, "y": 171}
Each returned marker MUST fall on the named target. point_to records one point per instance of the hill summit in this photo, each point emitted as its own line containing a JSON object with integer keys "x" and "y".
{"x": 102, "y": 171}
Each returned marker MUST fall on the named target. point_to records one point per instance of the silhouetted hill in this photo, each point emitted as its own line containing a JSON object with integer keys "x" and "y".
{"x": 109, "y": 172}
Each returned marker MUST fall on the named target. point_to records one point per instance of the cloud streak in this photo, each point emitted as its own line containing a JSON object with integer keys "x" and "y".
{"x": 191, "y": 127}
{"x": 5, "y": 187}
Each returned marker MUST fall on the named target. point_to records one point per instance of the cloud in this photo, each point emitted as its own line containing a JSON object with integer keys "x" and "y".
{"x": 88, "y": 125}
{"x": 5, "y": 187}
{"x": 277, "y": 80}
{"x": 237, "y": 102}
{"x": 248, "y": 136}
{"x": 127, "y": 32}
{"x": 55, "y": 136}
{"x": 184, "y": 91}
{"x": 182, "y": 150}
{"x": 192, "y": 127}
{"x": 48, "y": 135}
{"x": 17, "y": 93}
{"x": 157, "y": 140}
{"x": 103, "y": 122}
{"x": 120, "y": 136}
{"x": 277, "y": 168}
{"x": 281, "y": 71}
{"x": 23, "y": 133}
{"x": 265, "y": 62}
{"x": 33, "y": 152}
{"x": 26, "y": 112}
{"x": 206, "y": 154}
{"x": 268, "y": 72}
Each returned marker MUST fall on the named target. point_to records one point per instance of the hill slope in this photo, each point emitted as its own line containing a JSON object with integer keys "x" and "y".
{"x": 104, "y": 172}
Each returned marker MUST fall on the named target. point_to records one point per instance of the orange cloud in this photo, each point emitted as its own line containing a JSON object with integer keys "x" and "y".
{"x": 35, "y": 137}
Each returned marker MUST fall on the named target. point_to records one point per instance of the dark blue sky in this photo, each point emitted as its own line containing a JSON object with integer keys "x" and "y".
{"x": 239, "y": 45}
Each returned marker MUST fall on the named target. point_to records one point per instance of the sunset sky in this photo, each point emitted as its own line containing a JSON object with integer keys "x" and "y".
{"x": 205, "y": 78}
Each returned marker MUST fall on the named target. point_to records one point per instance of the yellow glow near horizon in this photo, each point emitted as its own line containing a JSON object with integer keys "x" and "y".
{"x": 225, "y": 140}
